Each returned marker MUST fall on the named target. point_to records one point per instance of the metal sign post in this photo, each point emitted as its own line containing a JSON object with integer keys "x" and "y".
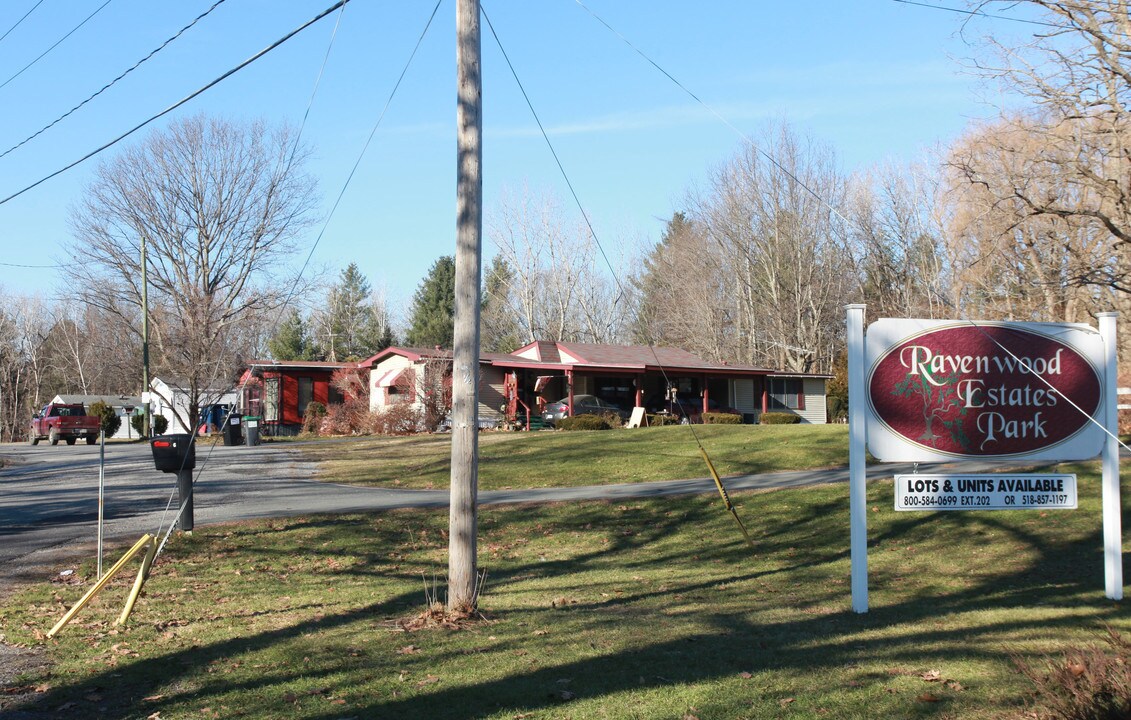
{"x": 857, "y": 441}
{"x": 1113, "y": 524}
{"x": 101, "y": 489}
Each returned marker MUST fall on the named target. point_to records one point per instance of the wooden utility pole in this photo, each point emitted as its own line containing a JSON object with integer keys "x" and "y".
{"x": 462, "y": 521}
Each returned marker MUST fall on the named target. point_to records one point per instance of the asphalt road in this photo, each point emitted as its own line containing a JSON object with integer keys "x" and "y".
{"x": 49, "y": 495}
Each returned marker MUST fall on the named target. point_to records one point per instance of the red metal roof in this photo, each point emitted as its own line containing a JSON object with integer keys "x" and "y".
{"x": 589, "y": 356}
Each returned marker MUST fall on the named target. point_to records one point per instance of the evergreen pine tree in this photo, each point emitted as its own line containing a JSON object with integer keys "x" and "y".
{"x": 292, "y": 341}
{"x": 433, "y": 306}
{"x": 356, "y": 326}
{"x": 497, "y": 321}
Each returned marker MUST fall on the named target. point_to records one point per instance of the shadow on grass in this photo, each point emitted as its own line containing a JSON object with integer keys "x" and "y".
{"x": 727, "y": 642}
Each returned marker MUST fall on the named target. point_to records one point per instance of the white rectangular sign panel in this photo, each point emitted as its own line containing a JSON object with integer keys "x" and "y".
{"x": 940, "y": 390}
{"x": 996, "y": 491}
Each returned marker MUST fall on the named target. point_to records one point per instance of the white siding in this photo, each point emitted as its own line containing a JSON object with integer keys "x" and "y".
{"x": 491, "y": 397}
{"x": 815, "y": 405}
{"x": 744, "y": 401}
{"x": 377, "y": 394}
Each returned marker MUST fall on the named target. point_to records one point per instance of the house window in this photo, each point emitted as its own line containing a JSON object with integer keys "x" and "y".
{"x": 305, "y": 394}
{"x": 334, "y": 396}
{"x": 271, "y": 400}
{"x": 786, "y": 394}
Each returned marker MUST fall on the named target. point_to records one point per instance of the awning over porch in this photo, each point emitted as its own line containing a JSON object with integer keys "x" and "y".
{"x": 390, "y": 378}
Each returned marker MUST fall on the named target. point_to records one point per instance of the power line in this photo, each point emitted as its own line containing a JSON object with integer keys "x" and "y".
{"x": 979, "y": 13}
{"x": 774, "y": 161}
{"x": 57, "y": 43}
{"x": 958, "y": 311}
{"x": 110, "y": 84}
{"x": 182, "y": 101}
{"x": 34, "y": 267}
{"x": 290, "y": 293}
{"x": 550, "y": 145}
{"x": 365, "y": 147}
{"x": 29, "y": 12}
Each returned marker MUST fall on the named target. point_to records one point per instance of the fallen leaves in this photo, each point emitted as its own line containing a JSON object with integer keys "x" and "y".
{"x": 428, "y": 680}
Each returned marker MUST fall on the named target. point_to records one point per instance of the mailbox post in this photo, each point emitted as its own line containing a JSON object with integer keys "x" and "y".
{"x": 176, "y": 453}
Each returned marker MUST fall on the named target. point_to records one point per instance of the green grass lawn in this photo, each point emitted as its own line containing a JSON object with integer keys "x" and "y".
{"x": 645, "y": 609}
{"x": 558, "y": 459}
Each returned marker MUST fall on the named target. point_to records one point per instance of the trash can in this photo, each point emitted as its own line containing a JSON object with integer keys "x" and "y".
{"x": 251, "y": 429}
{"x": 233, "y": 431}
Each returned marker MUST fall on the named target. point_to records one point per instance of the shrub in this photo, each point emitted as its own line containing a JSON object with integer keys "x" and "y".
{"x": 159, "y": 422}
{"x": 585, "y": 422}
{"x": 721, "y": 418}
{"x": 659, "y": 420}
{"x": 1088, "y": 683}
{"x": 312, "y": 418}
{"x": 779, "y": 418}
{"x": 107, "y": 416}
{"x": 614, "y": 420}
{"x": 837, "y": 408}
{"x": 396, "y": 419}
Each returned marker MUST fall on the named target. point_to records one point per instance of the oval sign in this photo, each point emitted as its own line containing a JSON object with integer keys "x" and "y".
{"x": 982, "y": 391}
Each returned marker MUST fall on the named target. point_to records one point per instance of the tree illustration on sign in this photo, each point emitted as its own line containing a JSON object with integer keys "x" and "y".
{"x": 942, "y": 407}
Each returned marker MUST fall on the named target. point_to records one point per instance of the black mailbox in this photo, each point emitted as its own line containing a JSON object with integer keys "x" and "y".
{"x": 173, "y": 453}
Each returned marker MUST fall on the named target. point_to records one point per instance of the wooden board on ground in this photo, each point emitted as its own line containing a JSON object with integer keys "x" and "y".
{"x": 638, "y": 418}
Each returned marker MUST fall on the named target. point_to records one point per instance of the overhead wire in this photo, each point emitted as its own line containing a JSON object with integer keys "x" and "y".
{"x": 978, "y": 13}
{"x": 345, "y": 186}
{"x": 56, "y": 44}
{"x": 821, "y": 199}
{"x": 620, "y": 288}
{"x": 365, "y": 146}
{"x": 227, "y": 417}
{"x": 110, "y": 84}
{"x": 33, "y": 267}
{"x": 180, "y": 102}
{"x": 18, "y": 22}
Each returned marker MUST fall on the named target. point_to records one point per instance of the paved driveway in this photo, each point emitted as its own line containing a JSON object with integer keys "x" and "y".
{"x": 49, "y": 495}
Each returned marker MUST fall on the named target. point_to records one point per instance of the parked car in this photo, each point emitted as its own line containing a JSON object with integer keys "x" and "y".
{"x": 57, "y": 422}
{"x": 582, "y": 405}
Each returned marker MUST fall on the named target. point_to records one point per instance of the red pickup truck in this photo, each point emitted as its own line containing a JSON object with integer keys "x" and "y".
{"x": 57, "y": 422}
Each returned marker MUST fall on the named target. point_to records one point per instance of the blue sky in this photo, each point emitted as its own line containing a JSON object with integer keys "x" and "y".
{"x": 876, "y": 80}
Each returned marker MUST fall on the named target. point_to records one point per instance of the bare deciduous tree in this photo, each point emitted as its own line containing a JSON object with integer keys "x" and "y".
{"x": 218, "y": 205}
{"x": 1076, "y": 72}
{"x": 898, "y": 241}
{"x": 784, "y": 249}
{"x": 1009, "y": 262}
{"x": 557, "y": 288}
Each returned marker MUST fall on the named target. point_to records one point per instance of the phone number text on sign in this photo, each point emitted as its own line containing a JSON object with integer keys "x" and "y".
{"x": 998, "y": 491}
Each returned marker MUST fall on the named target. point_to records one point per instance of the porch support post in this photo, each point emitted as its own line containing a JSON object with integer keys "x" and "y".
{"x": 569, "y": 387}
{"x": 639, "y": 390}
{"x": 703, "y": 381}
